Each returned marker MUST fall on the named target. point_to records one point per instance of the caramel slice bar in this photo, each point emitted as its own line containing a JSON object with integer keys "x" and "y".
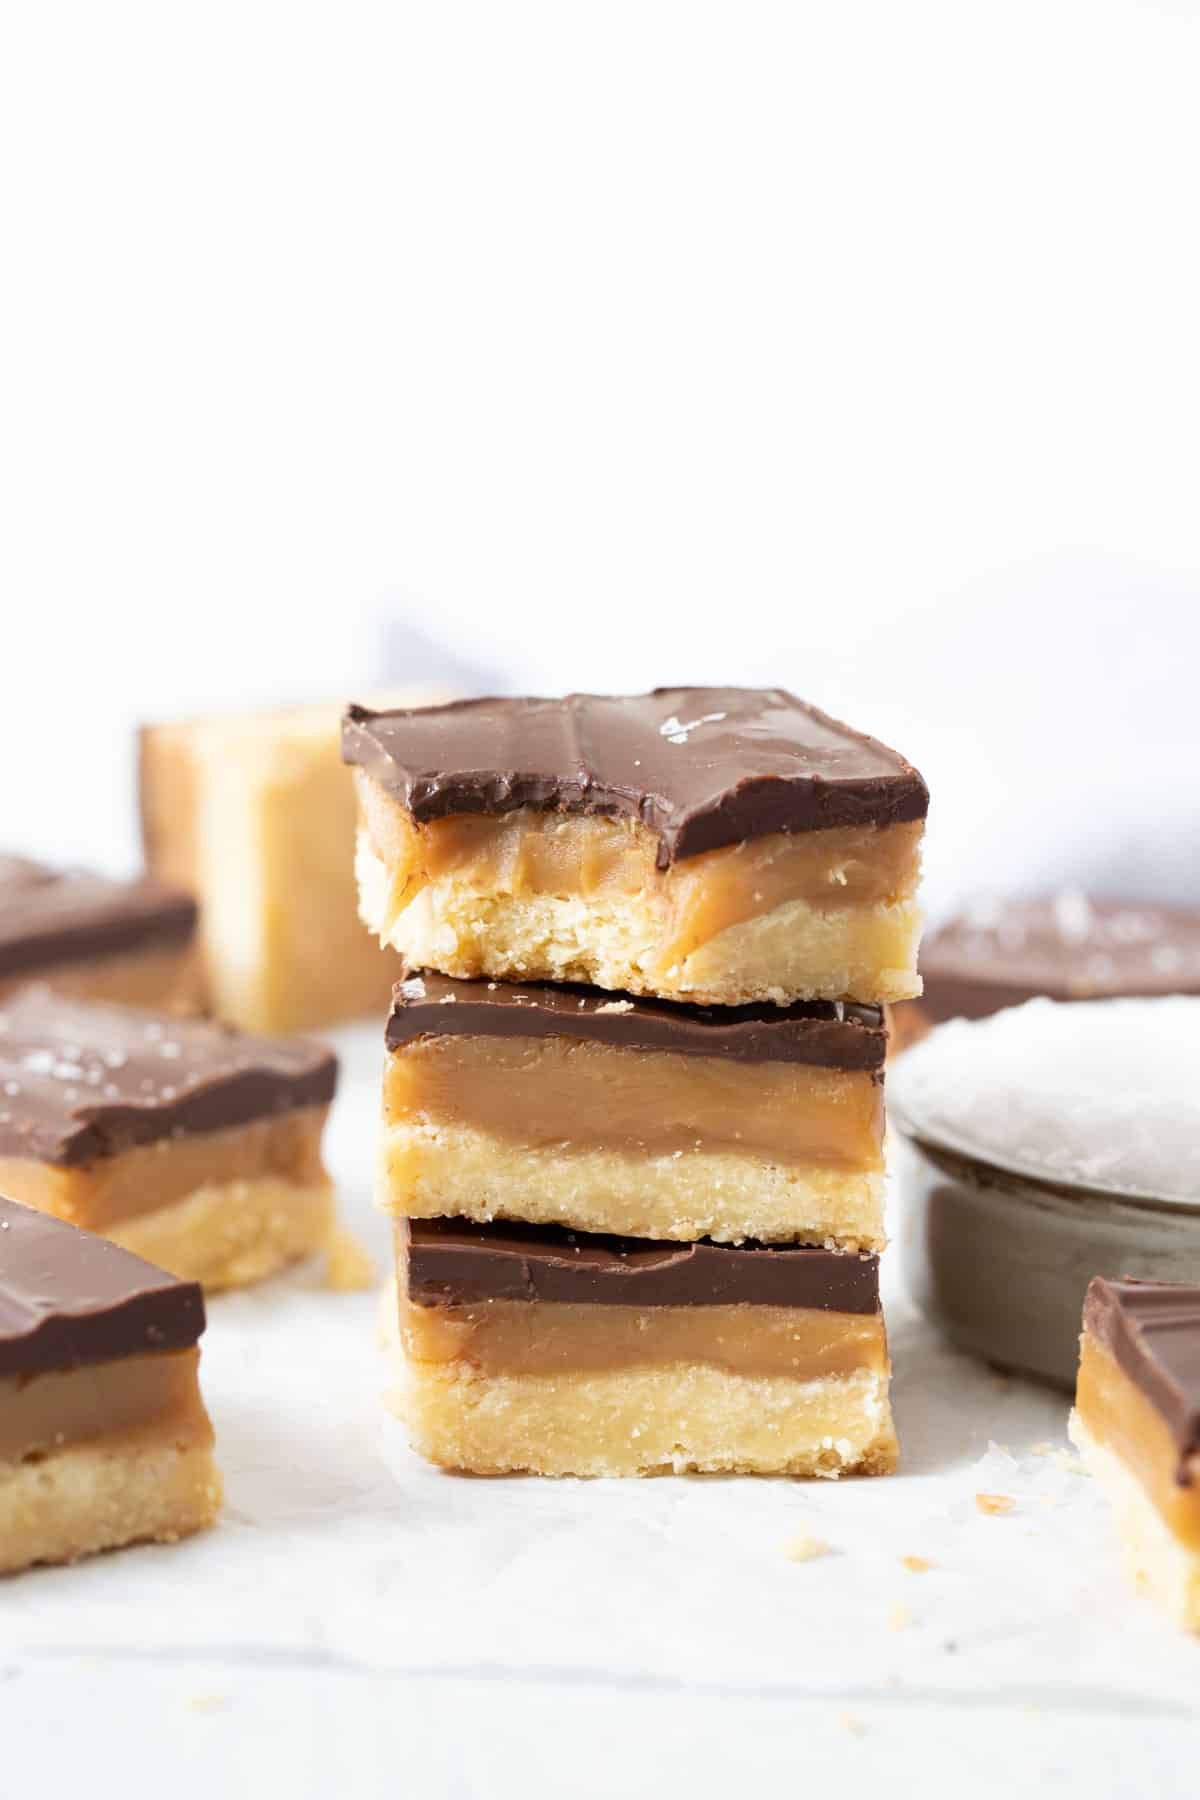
{"x": 1137, "y": 1425}
{"x": 129, "y": 941}
{"x": 570, "y": 1106}
{"x": 254, "y": 814}
{"x": 104, "y": 1439}
{"x": 1069, "y": 946}
{"x": 184, "y": 1141}
{"x": 562, "y": 1354}
{"x": 716, "y": 845}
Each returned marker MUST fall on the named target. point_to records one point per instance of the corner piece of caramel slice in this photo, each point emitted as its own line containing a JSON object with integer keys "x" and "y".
{"x": 1136, "y": 1423}
{"x": 104, "y": 1437}
{"x": 1150, "y": 1331}
{"x": 69, "y": 1300}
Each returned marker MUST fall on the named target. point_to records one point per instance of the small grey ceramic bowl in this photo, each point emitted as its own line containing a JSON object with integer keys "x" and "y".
{"x": 1038, "y": 1148}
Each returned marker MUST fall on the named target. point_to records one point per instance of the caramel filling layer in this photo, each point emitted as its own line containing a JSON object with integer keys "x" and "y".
{"x": 1118, "y": 1415}
{"x": 151, "y": 1176}
{"x": 523, "y": 854}
{"x": 514, "y": 1337}
{"x": 167, "y": 978}
{"x": 560, "y": 1093}
{"x": 42, "y": 1413}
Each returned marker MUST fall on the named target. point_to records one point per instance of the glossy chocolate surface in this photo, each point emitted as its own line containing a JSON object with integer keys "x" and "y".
{"x": 1152, "y": 1329}
{"x": 1068, "y": 946}
{"x": 452, "y": 1262}
{"x": 700, "y": 767}
{"x": 80, "y": 1080}
{"x": 50, "y": 916}
{"x": 828, "y": 1035}
{"x": 68, "y": 1299}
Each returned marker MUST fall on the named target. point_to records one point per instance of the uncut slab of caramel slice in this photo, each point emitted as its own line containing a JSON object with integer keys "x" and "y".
{"x": 554, "y": 1353}
{"x": 1136, "y": 1424}
{"x": 129, "y": 941}
{"x": 254, "y": 815}
{"x": 1066, "y": 946}
{"x": 716, "y": 845}
{"x": 186, "y": 1142}
{"x": 104, "y": 1439}
{"x": 569, "y": 1106}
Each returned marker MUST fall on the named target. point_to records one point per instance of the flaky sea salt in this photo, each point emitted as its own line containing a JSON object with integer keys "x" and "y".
{"x": 1099, "y": 1093}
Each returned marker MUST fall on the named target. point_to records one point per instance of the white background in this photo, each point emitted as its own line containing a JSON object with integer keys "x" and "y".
{"x": 852, "y": 346}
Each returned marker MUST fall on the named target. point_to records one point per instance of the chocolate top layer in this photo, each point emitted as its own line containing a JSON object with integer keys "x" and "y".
{"x": 79, "y": 1080}
{"x": 1152, "y": 1329}
{"x": 1069, "y": 946}
{"x": 448, "y": 1261}
{"x": 68, "y": 1298}
{"x": 50, "y": 916}
{"x": 834, "y": 1036}
{"x": 700, "y": 767}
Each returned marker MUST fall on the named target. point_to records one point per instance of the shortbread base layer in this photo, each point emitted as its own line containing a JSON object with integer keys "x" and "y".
{"x": 155, "y": 1484}
{"x": 1154, "y": 1556}
{"x": 255, "y": 815}
{"x": 433, "y": 1172}
{"x": 163, "y": 980}
{"x": 234, "y": 1233}
{"x": 223, "y": 1207}
{"x": 794, "y": 951}
{"x": 675, "y": 1420}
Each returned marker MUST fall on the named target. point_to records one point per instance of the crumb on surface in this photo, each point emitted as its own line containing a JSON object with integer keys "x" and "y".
{"x": 206, "y": 1702}
{"x": 995, "y": 1503}
{"x": 852, "y": 1723}
{"x": 917, "y": 1564}
{"x": 804, "y": 1547}
{"x": 1040, "y": 1449}
{"x": 1071, "y": 1464}
{"x": 900, "y": 1618}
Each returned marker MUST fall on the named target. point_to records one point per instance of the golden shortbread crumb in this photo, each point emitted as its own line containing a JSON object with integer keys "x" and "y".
{"x": 805, "y": 1548}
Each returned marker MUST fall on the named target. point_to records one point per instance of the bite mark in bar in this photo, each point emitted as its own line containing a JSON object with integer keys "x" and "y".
{"x": 700, "y": 767}
{"x": 715, "y": 845}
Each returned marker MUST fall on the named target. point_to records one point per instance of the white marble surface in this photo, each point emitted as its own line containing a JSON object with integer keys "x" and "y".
{"x": 360, "y": 1623}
